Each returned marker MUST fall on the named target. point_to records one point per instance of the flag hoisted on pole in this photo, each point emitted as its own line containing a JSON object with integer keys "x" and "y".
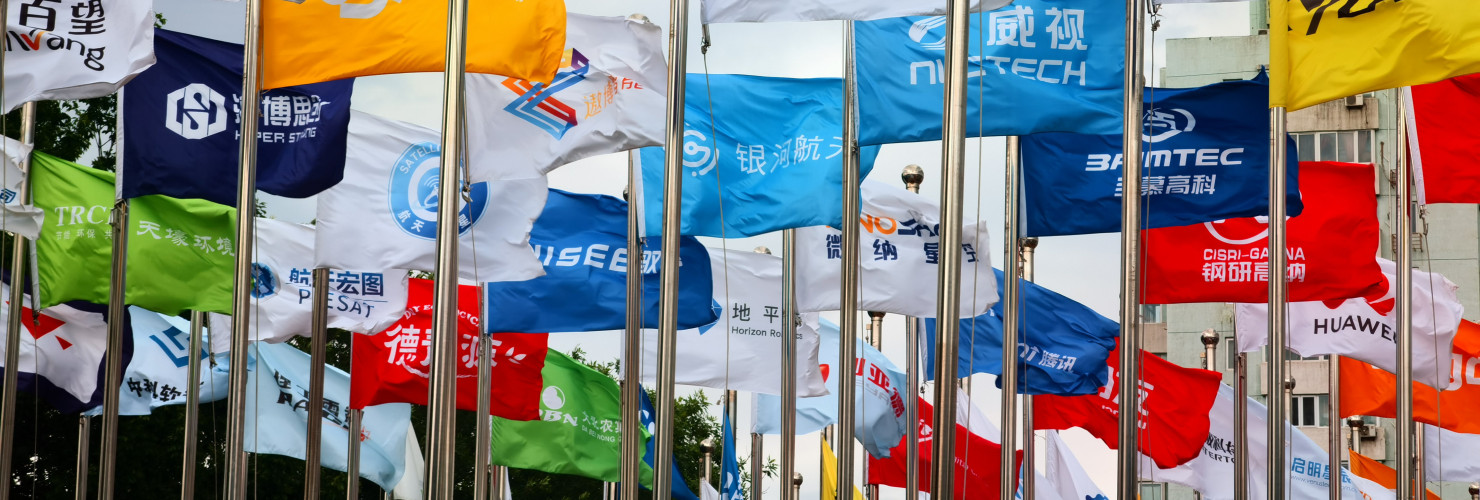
{"x": 673, "y": 170}
{"x": 1130, "y": 252}
{"x": 848, "y": 312}
{"x": 17, "y": 294}
{"x": 117, "y": 286}
{"x": 948, "y": 277}
{"x": 1402, "y": 228}
{"x": 788, "y": 361}
{"x": 317, "y": 346}
{"x": 1011, "y": 314}
{"x": 192, "y": 404}
{"x": 241, "y": 298}
{"x": 632, "y": 340}
{"x": 1278, "y": 328}
{"x": 912, "y": 176}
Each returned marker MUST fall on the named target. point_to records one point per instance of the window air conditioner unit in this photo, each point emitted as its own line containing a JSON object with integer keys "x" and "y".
{"x": 1356, "y": 101}
{"x": 1369, "y": 431}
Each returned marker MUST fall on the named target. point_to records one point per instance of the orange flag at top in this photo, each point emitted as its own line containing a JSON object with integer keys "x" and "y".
{"x": 309, "y": 41}
{"x": 1369, "y": 390}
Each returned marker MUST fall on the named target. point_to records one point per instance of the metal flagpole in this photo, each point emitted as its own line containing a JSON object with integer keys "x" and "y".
{"x": 632, "y": 343}
{"x": 788, "y": 372}
{"x": 17, "y": 296}
{"x": 318, "y": 342}
{"x": 1029, "y": 246}
{"x": 117, "y": 320}
{"x": 1011, "y": 317}
{"x": 497, "y": 476}
{"x": 848, "y": 313}
{"x": 241, "y": 297}
{"x": 84, "y": 445}
{"x": 1126, "y": 456}
{"x": 876, "y": 338}
{"x": 1241, "y": 429}
{"x": 706, "y": 447}
{"x": 1278, "y": 339}
{"x": 828, "y": 443}
{"x": 352, "y": 455}
{"x": 192, "y": 406}
{"x": 912, "y": 176}
{"x": 733, "y": 412}
{"x": 948, "y": 277}
{"x": 482, "y": 433}
{"x": 1403, "y": 229}
{"x": 1333, "y": 447}
{"x": 789, "y": 319}
{"x": 678, "y": 53}
{"x": 757, "y": 469}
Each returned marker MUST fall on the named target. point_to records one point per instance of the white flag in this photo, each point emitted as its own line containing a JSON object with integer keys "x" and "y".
{"x": 1449, "y": 455}
{"x": 158, "y": 373}
{"x": 749, "y": 11}
{"x": 383, "y": 215}
{"x": 899, "y": 247}
{"x": 1063, "y": 475}
{"x": 608, "y": 97}
{"x": 24, "y": 220}
{"x": 74, "y": 50}
{"x": 1366, "y": 329}
{"x": 707, "y": 491}
{"x": 413, "y": 481}
{"x": 63, "y": 347}
{"x": 749, "y": 329}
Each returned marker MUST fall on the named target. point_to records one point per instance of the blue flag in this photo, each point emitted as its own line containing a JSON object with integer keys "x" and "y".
{"x": 195, "y": 85}
{"x": 1062, "y": 344}
{"x": 768, "y": 157}
{"x": 581, "y": 239}
{"x": 1206, "y": 158}
{"x": 729, "y": 476}
{"x": 1045, "y": 66}
{"x": 680, "y": 486}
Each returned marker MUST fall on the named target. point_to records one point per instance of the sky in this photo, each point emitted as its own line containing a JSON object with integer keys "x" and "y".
{"x": 1084, "y": 268}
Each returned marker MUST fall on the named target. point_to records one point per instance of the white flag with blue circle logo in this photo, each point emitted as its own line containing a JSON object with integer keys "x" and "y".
{"x": 383, "y": 215}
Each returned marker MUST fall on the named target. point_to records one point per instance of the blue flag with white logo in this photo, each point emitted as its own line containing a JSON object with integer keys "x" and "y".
{"x": 581, "y": 240}
{"x": 195, "y": 86}
{"x": 1062, "y": 344}
{"x": 761, "y": 154}
{"x": 729, "y": 476}
{"x": 1044, "y": 66}
{"x": 1206, "y": 157}
{"x": 680, "y": 487}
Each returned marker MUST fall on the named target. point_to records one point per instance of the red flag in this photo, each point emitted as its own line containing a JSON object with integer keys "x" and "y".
{"x": 1443, "y": 141}
{"x": 1174, "y": 405}
{"x": 1329, "y": 247}
{"x": 978, "y": 461}
{"x": 392, "y": 366}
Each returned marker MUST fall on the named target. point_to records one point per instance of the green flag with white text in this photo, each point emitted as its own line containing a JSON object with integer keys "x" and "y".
{"x": 180, "y": 255}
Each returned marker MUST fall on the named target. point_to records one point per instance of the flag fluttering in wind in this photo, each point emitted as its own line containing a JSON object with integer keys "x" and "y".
{"x": 57, "y": 51}
{"x": 753, "y": 11}
{"x": 646, "y": 412}
{"x": 158, "y": 371}
{"x": 24, "y": 220}
{"x": 321, "y": 40}
{"x": 62, "y": 352}
{"x": 1380, "y": 474}
{"x": 1449, "y": 455}
{"x": 729, "y": 477}
{"x": 1442, "y": 144}
{"x": 1063, "y": 474}
{"x": 978, "y": 458}
{"x": 830, "y": 473}
{"x": 1369, "y": 390}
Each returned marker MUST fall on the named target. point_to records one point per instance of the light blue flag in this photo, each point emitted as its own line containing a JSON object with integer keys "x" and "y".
{"x": 768, "y": 150}
{"x": 158, "y": 373}
{"x": 277, "y": 403}
{"x": 1044, "y": 66}
{"x": 879, "y": 409}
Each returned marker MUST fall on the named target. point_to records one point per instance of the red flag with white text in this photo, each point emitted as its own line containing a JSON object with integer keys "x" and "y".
{"x": 1443, "y": 142}
{"x": 978, "y": 460}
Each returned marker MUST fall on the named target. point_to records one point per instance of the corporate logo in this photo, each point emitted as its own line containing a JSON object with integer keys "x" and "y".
{"x": 537, "y": 104}
{"x": 1239, "y": 231}
{"x": 925, "y": 33}
{"x": 698, "y": 154}
{"x": 553, "y": 398}
{"x": 1166, "y": 124}
{"x": 719, "y": 312}
{"x": 176, "y": 344}
{"x": 414, "y": 189}
{"x": 195, "y": 111}
{"x": 264, "y": 282}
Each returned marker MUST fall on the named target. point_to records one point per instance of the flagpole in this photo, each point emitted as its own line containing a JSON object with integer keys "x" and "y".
{"x": 1275, "y": 365}
{"x": 318, "y": 342}
{"x": 192, "y": 406}
{"x": 241, "y": 297}
{"x": 788, "y": 363}
{"x": 848, "y": 314}
{"x": 1029, "y": 246}
{"x": 912, "y": 176}
{"x": 1127, "y": 455}
{"x": 497, "y": 476}
{"x": 876, "y": 338}
{"x": 948, "y": 277}
{"x": 1241, "y": 429}
{"x": 482, "y": 430}
{"x": 678, "y": 53}
{"x": 632, "y": 341}
{"x": 1011, "y": 317}
{"x": 17, "y": 296}
{"x": 352, "y": 453}
{"x": 84, "y": 454}
{"x": 788, "y": 372}
{"x": 1404, "y": 233}
{"x": 1333, "y": 434}
{"x": 117, "y": 320}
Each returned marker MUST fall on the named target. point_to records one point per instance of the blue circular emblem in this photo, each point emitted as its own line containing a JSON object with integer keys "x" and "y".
{"x": 413, "y": 193}
{"x": 264, "y": 283}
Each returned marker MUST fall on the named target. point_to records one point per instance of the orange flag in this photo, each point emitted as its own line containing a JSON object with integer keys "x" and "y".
{"x": 1369, "y": 390}
{"x": 1378, "y": 473}
{"x": 311, "y": 41}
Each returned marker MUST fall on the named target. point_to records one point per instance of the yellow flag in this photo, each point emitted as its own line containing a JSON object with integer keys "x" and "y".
{"x": 309, "y": 41}
{"x": 830, "y": 474}
{"x": 1337, "y": 48}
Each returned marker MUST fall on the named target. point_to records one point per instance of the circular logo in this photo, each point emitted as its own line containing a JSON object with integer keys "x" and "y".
{"x": 264, "y": 283}
{"x": 698, "y": 155}
{"x": 920, "y": 32}
{"x": 414, "y": 189}
{"x": 1166, "y": 124}
{"x": 553, "y": 398}
{"x": 1239, "y": 231}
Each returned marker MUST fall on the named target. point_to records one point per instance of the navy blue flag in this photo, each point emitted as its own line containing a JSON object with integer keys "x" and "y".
{"x": 192, "y": 152}
{"x": 680, "y": 488}
{"x": 1206, "y": 158}
{"x": 581, "y": 239}
{"x": 1044, "y": 66}
{"x": 766, "y": 154}
{"x": 1062, "y": 346}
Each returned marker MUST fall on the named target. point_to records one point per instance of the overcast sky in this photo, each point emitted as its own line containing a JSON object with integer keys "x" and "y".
{"x": 1084, "y": 268}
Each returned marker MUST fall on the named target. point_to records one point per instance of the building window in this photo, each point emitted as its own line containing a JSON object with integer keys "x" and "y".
{"x": 1291, "y": 356}
{"x": 1231, "y": 350}
{"x": 1153, "y": 313}
{"x": 1308, "y": 410}
{"x": 1352, "y": 146}
{"x": 1153, "y": 491}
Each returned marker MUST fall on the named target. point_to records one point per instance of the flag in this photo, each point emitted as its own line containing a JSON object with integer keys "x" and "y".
{"x": 180, "y": 252}
{"x": 1329, "y": 247}
{"x": 879, "y": 420}
{"x": 62, "y": 356}
{"x": 413, "y": 481}
{"x": 742, "y": 350}
{"x": 158, "y": 372}
{"x": 24, "y": 220}
{"x": 1449, "y": 455}
{"x": 899, "y": 247}
{"x": 1369, "y": 390}
{"x": 1064, "y": 475}
{"x": 978, "y": 459}
{"x": 729, "y": 476}
{"x": 393, "y": 366}
{"x": 384, "y": 214}
{"x": 1174, "y": 404}
{"x": 752, "y": 11}
{"x": 1206, "y": 159}
{"x": 57, "y": 51}
{"x": 279, "y": 408}
{"x": 1318, "y": 55}
{"x": 707, "y": 491}
{"x": 1045, "y": 66}
{"x": 193, "y": 151}
{"x": 760, "y": 154}
{"x": 1365, "y": 328}
{"x": 581, "y": 239}
{"x": 830, "y": 473}
{"x": 322, "y": 40}
{"x": 1062, "y": 346}
{"x": 1441, "y": 144}
{"x": 1383, "y": 475}
{"x": 680, "y": 489}
{"x": 609, "y": 96}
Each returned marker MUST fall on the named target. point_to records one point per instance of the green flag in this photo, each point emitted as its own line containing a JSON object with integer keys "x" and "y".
{"x": 180, "y": 254}
{"x": 580, "y": 426}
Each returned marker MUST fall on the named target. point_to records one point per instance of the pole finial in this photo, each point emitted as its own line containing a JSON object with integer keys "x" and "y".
{"x": 763, "y": 249}
{"x": 1209, "y": 337}
{"x": 912, "y": 176}
{"x": 1029, "y": 243}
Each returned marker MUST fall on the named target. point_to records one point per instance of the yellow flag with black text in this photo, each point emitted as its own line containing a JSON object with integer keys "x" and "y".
{"x": 1320, "y": 50}
{"x": 309, "y": 41}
